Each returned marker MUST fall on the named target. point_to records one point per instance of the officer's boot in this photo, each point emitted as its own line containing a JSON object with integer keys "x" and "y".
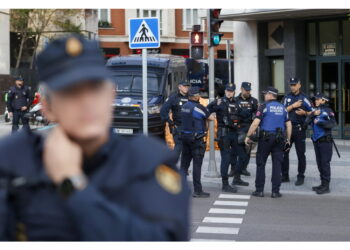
{"x": 238, "y": 181}
{"x": 324, "y": 188}
{"x": 232, "y": 172}
{"x": 227, "y": 188}
{"x": 315, "y": 188}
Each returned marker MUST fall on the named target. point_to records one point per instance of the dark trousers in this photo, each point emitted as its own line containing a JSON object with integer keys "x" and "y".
{"x": 324, "y": 152}
{"x": 19, "y": 115}
{"x": 193, "y": 149}
{"x": 244, "y": 154}
{"x": 265, "y": 147}
{"x": 227, "y": 145}
{"x": 234, "y": 159}
{"x": 178, "y": 144}
{"x": 298, "y": 137}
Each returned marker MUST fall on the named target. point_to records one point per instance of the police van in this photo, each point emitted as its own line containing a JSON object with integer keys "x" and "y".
{"x": 198, "y": 74}
{"x": 164, "y": 72}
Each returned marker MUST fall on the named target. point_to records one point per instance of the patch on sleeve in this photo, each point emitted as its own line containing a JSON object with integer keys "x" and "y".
{"x": 168, "y": 179}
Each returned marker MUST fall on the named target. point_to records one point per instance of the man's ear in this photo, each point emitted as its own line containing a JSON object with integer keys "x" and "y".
{"x": 46, "y": 109}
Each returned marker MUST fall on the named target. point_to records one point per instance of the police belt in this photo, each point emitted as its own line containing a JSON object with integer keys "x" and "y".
{"x": 195, "y": 135}
{"x": 326, "y": 138}
{"x": 227, "y": 128}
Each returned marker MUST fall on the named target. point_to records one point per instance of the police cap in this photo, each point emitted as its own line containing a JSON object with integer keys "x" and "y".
{"x": 184, "y": 83}
{"x": 19, "y": 78}
{"x": 247, "y": 86}
{"x": 319, "y": 95}
{"x": 69, "y": 61}
{"x": 270, "y": 90}
{"x": 193, "y": 91}
{"x": 293, "y": 80}
{"x": 230, "y": 87}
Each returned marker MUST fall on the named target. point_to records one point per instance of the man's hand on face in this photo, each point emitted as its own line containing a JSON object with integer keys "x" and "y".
{"x": 218, "y": 102}
{"x": 24, "y": 108}
{"x": 62, "y": 157}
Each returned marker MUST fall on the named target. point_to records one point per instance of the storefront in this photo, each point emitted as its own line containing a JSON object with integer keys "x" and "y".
{"x": 313, "y": 45}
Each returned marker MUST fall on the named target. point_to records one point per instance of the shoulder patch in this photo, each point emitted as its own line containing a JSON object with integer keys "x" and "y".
{"x": 168, "y": 179}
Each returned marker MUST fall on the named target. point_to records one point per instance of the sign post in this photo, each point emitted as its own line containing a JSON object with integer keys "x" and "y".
{"x": 144, "y": 33}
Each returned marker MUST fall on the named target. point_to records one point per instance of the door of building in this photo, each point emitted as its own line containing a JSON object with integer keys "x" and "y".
{"x": 345, "y": 99}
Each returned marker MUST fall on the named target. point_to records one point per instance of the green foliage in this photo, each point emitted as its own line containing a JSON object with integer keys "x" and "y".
{"x": 104, "y": 24}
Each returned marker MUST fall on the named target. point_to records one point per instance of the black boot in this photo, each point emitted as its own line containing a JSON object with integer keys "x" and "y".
{"x": 324, "y": 189}
{"x": 285, "y": 178}
{"x": 315, "y": 188}
{"x": 239, "y": 182}
{"x": 227, "y": 188}
{"x": 299, "y": 182}
{"x": 245, "y": 172}
{"x": 232, "y": 172}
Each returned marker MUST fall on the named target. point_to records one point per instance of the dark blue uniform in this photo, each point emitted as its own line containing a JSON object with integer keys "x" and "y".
{"x": 298, "y": 133}
{"x": 322, "y": 139}
{"x": 194, "y": 117}
{"x": 248, "y": 108}
{"x": 174, "y": 104}
{"x": 134, "y": 194}
{"x": 227, "y": 115}
{"x": 273, "y": 116}
{"x": 18, "y": 98}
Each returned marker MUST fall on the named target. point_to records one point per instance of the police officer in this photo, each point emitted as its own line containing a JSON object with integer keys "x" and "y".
{"x": 298, "y": 106}
{"x": 79, "y": 180}
{"x": 174, "y": 104}
{"x": 248, "y": 106}
{"x": 19, "y": 100}
{"x": 194, "y": 117}
{"x": 227, "y": 115}
{"x": 322, "y": 121}
{"x": 275, "y": 132}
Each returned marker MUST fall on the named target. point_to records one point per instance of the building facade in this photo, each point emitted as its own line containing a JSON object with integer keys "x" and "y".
{"x": 312, "y": 44}
{"x": 175, "y": 25}
{"x": 4, "y": 41}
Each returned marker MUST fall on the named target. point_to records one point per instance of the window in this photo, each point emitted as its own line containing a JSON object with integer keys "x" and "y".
{"x": 277, "y": 68}
{"x": 152, "y": 13}
{"x": 104, "y": 18}
{"x": 189, "y": 18}
{"x": 329, "y": 35}
{"x": 346, "y": 38}
{"x": 312, "y": 38}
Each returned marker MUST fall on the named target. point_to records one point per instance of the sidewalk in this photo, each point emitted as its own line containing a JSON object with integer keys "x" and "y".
{"x": 340, "y": 172}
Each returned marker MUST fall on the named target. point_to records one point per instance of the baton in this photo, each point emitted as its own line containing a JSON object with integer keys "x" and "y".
{"x": 336, "y": 149}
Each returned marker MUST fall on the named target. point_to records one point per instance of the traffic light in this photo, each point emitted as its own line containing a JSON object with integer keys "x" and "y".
{"x": 196, "y": 41}
{"x": 214, "y": 26}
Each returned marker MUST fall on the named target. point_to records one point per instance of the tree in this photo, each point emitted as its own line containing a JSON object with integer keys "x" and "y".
{"x": 36, "y": 22}
{"x": 20, "y": 23}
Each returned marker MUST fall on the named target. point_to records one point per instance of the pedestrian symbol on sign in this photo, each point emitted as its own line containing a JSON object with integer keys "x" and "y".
{"x": 144, "y": 34}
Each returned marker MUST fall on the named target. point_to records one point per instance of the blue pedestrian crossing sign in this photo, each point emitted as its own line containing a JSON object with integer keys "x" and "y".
{"x": 144, "y": 33}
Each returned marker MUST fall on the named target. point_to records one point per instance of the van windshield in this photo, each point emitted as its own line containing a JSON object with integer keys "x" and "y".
{"x": 133, "y": 83}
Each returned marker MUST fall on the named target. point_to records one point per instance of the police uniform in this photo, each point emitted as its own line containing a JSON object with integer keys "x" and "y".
{"x": 194, "y": 117}
{"x": 248, "y": 108}
{"x": 174, "y": 104}
{"x": 227, "y": 115}
{"x": 16, "y": 99}
{"x": 133, "y": 191}
{"x": 273, "y": 116}
{"x": 298, "y": 133}
{"x": 322, "y": 125}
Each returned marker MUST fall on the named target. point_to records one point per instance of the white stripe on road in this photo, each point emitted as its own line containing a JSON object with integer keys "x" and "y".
{"x": 217, "y": 230}
{"x": 223, "y": 220}
{"x": 234, "y": 196}
{"x": 194, "y": 239}
{"x": 226, "y": 211}
{"x": 232, "y": 203}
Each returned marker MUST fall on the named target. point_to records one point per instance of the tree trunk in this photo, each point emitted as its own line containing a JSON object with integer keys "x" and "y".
{"x": 19, "y": 57}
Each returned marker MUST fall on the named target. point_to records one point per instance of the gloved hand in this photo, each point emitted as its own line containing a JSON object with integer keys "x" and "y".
{"x": 287, "y": 146}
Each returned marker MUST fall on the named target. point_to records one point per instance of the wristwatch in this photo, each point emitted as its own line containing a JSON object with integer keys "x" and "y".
{"x": 71, "y": 184}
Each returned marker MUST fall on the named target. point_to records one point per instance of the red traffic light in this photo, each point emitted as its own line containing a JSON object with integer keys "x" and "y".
{"x": 197, "y": 38}
{"x": 215, "y": 13}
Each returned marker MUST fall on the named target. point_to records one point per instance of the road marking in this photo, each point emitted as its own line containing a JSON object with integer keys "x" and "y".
{"x": 223, "y": 220}
{"x": 226, "y": 211}
{"x": 234, "y": 196}
{"x": 232, "y": 203}
{"x": 217, "y": 230}
{"x": 195, "y": 239}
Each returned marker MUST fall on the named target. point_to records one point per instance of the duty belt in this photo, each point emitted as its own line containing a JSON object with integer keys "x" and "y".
{"x": 327, "y": 138}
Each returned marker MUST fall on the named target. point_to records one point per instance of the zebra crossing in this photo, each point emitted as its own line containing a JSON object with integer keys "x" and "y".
{"x": 223, "y": 219}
